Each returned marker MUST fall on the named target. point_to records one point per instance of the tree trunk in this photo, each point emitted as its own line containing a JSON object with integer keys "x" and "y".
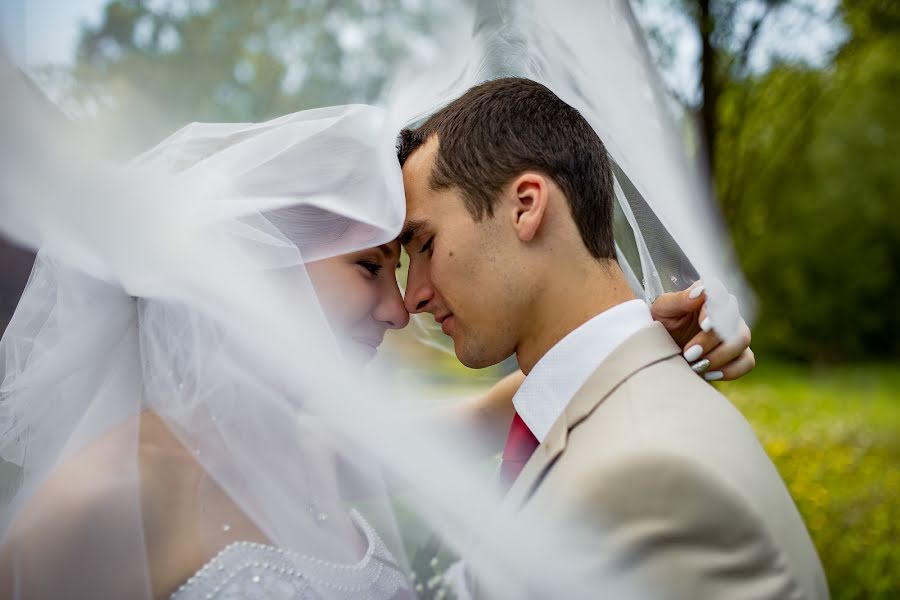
{"x": 708, "y": 83}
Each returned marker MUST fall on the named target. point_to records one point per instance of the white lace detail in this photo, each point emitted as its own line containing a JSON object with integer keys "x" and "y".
{"x": 247, "y": 570}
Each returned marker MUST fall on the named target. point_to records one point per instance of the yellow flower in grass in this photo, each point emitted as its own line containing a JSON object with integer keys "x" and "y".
{"x": 778, "y": 446}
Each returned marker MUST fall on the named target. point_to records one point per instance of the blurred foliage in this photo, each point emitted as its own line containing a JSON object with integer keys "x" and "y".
{"x": 835, "y": 437}
{"x": 805, "y": 168}
{"x": 150, "y": 67}
{"x": 808, "y": 181}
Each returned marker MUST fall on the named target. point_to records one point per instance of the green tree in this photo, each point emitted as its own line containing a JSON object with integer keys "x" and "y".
{"x": 729, "y": 33}
{"x": 801, "y": 157}
{"x": 145, "y": 70}
{"x": 809, "y": 188}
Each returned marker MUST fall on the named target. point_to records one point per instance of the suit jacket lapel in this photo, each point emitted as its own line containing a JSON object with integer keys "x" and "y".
{"x": 650, "y": 345}
{"x": 543, "y": 457}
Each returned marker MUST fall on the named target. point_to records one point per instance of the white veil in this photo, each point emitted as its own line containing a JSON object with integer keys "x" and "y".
{"x": 177, "y": 284}
{"x": 218, "y": 216}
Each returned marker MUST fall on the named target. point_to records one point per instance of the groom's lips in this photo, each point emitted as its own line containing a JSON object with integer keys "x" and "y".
{"x": 446, "y": 322}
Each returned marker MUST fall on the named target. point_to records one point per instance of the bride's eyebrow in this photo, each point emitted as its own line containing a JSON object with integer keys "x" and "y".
{"x": 388, "y": 254}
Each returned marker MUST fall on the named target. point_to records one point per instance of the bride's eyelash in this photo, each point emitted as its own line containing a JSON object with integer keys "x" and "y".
{"x": 371, "y": 266}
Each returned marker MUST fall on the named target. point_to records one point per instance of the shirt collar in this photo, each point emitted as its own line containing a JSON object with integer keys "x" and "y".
{"x": 559, "y": 374}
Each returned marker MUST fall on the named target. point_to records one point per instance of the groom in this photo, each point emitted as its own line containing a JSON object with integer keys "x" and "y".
{"x": 510, "y": 237}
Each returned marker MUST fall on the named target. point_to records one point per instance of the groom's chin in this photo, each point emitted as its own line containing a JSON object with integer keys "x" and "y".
{"x": 474, "y": 357}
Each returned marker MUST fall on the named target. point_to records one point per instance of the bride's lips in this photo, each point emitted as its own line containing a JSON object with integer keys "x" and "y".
{"x": 370, "y": 343}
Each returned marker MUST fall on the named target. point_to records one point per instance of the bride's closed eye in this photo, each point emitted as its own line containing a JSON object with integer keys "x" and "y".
{"x": 427, "y": 246}
{"x": 372, "y": 267}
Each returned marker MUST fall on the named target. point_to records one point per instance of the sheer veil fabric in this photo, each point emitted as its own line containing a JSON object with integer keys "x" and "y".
{"x": 91, "y": 352}
{"x": 668, "y": 230}
{"x": 175, "y": 287}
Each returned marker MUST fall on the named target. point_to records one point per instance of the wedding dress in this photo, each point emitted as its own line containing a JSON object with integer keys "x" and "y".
{"x": 247, "y": 570}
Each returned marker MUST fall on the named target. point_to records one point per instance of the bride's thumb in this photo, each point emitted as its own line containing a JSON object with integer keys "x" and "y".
{"x": 675, "y": 304}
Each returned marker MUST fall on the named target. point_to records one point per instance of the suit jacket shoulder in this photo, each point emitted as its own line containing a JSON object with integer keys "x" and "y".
{"x": 669, "y": 523}
{"x": 670, "y": 473}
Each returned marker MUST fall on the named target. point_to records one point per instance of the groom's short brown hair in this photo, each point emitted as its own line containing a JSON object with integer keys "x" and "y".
{"x": 499, "y": 129}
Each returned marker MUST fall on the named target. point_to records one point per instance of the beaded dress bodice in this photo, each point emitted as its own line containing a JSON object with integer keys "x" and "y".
{"x": 249, "y": 571}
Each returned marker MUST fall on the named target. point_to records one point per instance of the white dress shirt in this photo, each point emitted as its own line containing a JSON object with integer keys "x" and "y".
{"x": 556, "y": 378}
{"x": 561, "y": 372}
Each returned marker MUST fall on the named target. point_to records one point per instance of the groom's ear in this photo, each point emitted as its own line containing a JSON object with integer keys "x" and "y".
{"x": 530, "y": 192}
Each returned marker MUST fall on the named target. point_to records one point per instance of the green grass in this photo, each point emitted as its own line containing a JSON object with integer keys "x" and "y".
{"x": 835, "y": 437}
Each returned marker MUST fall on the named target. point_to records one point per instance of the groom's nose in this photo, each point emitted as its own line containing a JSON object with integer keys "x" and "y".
{"x": 419, "y": 291}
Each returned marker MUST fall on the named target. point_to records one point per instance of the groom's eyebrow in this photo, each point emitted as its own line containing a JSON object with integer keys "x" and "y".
{"x": 387, "y": 251}
{"x": 410, "y": 230}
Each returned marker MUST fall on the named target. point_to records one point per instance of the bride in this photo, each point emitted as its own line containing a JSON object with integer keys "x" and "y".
{"x": 154, "y": 454}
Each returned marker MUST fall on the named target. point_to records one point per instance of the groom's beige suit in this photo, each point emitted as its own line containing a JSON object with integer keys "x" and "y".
{"x": 668, "y": 484}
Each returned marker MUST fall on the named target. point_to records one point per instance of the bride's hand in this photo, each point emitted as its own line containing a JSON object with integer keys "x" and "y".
{"x": 684, "y": 316}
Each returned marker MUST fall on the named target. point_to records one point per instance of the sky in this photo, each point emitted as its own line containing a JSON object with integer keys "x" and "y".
{"x": 801, "y": 31}
{"x": 46, "y": 31}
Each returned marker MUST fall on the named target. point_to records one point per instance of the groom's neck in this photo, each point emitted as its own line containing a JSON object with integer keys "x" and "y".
{"x": 570, "y": 298}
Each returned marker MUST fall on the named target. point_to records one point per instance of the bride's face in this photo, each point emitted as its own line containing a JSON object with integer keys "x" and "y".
{"x": 360, "y": 297}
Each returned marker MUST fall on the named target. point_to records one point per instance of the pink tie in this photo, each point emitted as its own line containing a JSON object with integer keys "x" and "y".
{"x": 520, "y": 445}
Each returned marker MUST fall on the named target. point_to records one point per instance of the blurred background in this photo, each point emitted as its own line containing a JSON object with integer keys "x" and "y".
{"x": 793, "y": 105}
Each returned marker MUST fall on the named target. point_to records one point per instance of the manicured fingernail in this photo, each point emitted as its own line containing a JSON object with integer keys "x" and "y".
{"x": 693, "y": 353}
{"x": 696, "y": 291}
{"x": 700, "y": 365}
{"x": 714, "y": 376}
{"x": 706, "y": 324}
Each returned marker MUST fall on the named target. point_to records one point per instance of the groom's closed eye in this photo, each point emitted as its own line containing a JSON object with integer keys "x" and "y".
{"x": 427, "y": 245}
{"x": 412, "y": 229}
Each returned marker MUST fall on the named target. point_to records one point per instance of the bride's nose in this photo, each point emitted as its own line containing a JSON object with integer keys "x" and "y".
{"x": 390, "y": 309}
